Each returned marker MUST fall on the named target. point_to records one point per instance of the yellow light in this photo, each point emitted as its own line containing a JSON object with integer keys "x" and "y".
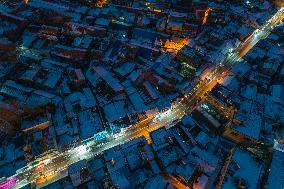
{"x": 175, "y": 45}
{"x": 100, "y": 3}
{"x": 206, "y": 15}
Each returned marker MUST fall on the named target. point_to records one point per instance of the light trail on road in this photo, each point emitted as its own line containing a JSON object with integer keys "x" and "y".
{"x": 54, "y": 162}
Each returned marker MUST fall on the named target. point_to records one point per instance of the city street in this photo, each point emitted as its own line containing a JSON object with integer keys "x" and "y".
{"x": 53, "y": 164}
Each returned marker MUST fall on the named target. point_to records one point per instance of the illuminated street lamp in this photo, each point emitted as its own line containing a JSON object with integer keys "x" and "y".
{"x": 81, "y": 150}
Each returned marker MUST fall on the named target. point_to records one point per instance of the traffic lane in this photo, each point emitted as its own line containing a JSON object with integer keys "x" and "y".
{"x": 173, "y": 115}
{"x": 176, "y": 114}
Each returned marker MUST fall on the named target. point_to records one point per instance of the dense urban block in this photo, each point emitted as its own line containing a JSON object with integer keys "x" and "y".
{"x": 142, "y": 94}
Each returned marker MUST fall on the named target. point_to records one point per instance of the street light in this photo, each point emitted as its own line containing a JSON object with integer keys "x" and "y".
{"x": 81, "y": 150}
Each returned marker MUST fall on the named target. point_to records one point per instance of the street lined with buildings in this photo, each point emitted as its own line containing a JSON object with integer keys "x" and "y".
{"x": 54, "y": 163}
